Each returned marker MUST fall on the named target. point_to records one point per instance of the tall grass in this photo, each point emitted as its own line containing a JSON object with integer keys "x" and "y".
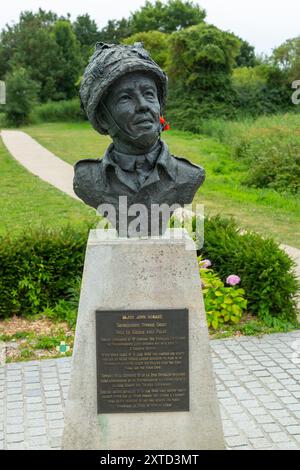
{"x": 58, "y": 111}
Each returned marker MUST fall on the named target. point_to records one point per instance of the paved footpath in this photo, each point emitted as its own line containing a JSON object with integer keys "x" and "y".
{"x": 258, "y": 384}
{"x": 40, "y": 161}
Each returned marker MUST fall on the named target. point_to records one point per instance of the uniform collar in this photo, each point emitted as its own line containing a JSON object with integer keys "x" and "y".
{"x": 127, "y": 162}
{"x": 164, "y": 161}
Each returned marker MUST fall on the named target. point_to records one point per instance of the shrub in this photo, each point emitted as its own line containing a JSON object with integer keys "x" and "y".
{"x": 56, "y": 111}
{"x": 38, "y": 268}
{"x": 273, "y": 160}
{"x": 222, "y": 304}
{"x": 265, "y": 270}
{"x": 21, "y": 94}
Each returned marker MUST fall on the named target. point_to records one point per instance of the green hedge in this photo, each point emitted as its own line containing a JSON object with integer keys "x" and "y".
{"x": 38, "y": 269}
{"x": 265, "y": 270}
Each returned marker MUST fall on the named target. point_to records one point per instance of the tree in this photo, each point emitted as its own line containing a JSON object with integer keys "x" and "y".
{"x": 246, "y": 56}
{"x": 86, "y": 30}
{"x": 69, "y": 59}
{"x": 287, "y": 57}
{"x": 167, "y": 17}
{"x": 155, "y": 42}
{"x": 21, "y": 94}
{"x": 203, "y": 56}
{"x": 163, "y": 17}
{"x": 200, "y": 65}
{"x": 14, "y": 38}
{"x": 115, "y": 31}
{"x": 47, "y": 48}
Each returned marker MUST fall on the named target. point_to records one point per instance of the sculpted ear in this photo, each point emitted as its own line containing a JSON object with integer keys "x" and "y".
{"x": 101, "y": 117}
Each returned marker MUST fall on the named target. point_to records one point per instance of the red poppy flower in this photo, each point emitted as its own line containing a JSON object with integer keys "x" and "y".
{"x": 165, "y": 125}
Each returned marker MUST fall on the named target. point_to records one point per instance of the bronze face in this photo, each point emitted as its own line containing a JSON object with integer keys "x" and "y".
{"x": 133, "y": 113}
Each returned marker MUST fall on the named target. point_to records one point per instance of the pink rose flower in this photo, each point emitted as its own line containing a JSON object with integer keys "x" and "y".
{"x": 233, "y": 280}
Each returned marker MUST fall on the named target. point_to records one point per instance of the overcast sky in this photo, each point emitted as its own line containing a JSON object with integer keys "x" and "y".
{"x": 264, "y": 23}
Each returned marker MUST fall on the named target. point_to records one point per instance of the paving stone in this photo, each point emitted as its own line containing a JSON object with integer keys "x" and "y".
{"x": 274, "y": 405}
{"x": 53, "y": 401}
{"x": 280, "y": 437}
{"x": 236, "y": 441}
{"x": 14, "y": 398}
{"x": 35, "y": 414}
{"x": 260, "y": 443}
{"x": 293, "y": 429}
{"x": 14, "y": 428}
{"x": 287, "y": 421}
{"x": 36, "y": 422}
{"x": 269, "y": 428}
{"x": 52, "y": 394}
{"x": 58, "y": 432}
{"x": 14, "y": 412}
{"x": 289, "y": 400}
{"x": 55, "y": 416}
{"x": 16, "y": 437}
{"x": 252, "y": 432}
{"x": 287, "y": 446}
{"x": 33, "y": 393}
{"x": 257, "y": 411}
{"x": 33, "y": 400}
{"x": 37, "y": 431}
{"x": 37, "y": 441}
{"x": 35, "y": 407}
{"x": 56, "y": 424}
{"x": 51, "y": 408}
{"x": 17, "y": 446}
{"x": 279, "y": 413}
{"x": 16, "y": 405}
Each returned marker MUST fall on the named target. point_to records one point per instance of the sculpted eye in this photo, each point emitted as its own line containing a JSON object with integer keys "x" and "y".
{"x": 124, "y": 98}
{"x": 149, "y": 94}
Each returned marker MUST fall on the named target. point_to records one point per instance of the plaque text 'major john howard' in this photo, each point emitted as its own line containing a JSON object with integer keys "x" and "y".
{"x": 142, "y": 361}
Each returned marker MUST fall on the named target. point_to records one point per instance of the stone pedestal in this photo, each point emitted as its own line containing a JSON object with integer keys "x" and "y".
{"x": 129, "y": 274}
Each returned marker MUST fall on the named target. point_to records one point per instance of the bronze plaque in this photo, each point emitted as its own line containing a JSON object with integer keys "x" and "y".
{"x": 142, "y": 361}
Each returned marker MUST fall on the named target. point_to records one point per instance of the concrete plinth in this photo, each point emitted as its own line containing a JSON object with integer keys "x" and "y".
{"x": 127, "y": 274}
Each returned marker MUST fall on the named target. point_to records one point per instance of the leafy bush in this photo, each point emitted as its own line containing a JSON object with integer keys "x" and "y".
{"x": 21, "y": 94}
{"x": 222, "y": 304}
{"x": 38, "y": 268}
{"x": 40, "y": 272}
{"x": 265, "y": 270}
{"x": 273, "y": 158}
{"x": 56, "y": 111}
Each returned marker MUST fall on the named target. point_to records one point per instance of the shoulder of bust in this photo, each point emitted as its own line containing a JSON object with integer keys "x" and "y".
{"x": 188, "y": 171}
{"x": 87, "y": 176}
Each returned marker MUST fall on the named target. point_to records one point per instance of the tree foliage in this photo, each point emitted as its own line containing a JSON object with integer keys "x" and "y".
{"x": 167, "y": 17}
{"x": 155, "y": 42}
{"x": 246, "y": 56}
{"x": 21, "y": 94}
{"x": 47, "y": 48}
{"x": 202, "y": 56}
{"x": 287, "y": 56}
{"x": 69, "y": 61}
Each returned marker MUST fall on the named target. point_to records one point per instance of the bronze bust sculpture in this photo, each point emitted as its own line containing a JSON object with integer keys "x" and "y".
{"x": 123, "y": 93}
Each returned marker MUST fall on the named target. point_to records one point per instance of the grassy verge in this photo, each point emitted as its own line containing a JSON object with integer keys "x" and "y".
{"x": 28, "y": 201}
{"x": 264, "y": 211}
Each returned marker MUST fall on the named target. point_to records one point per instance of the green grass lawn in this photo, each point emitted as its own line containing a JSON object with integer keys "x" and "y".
{"x": 261, "y": 210}
{"x": 26, "y": 201}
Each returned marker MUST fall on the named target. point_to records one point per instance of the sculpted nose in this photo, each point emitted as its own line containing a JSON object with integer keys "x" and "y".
{"x": 141, "y": 103}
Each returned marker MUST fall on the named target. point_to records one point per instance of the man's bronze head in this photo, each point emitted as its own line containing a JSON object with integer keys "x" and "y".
{"x": 130, "y": 112}
{"x": 123, "y": 92}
